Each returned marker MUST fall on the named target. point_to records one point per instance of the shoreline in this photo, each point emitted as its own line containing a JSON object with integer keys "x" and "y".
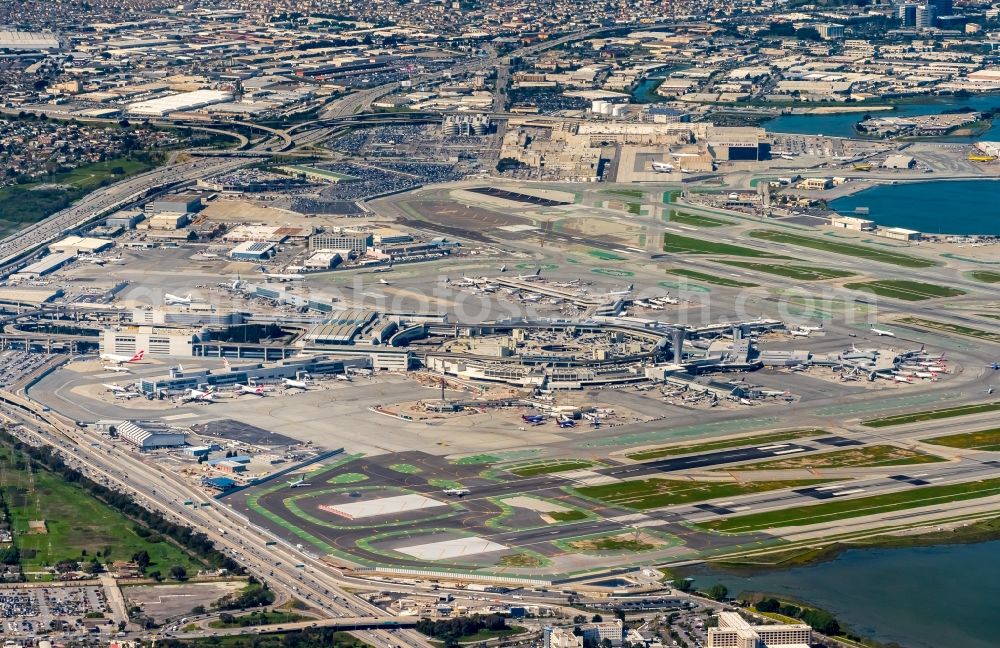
{"x": 978, "y": 532}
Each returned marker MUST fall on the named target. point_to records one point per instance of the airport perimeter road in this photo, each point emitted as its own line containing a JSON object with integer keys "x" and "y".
{"x": 106, "y": 200}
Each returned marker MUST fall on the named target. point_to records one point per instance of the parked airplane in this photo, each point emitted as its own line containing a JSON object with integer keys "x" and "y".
{"x": 819, "y": 327}
{"x": 503, "y": 268}
{"x": 460, "y": 492}
{"x": 798, "y": 333}
{"x": 301, "y": 481}
{"x": 117, "y": 369}
{"x": 537, "y": 274}
{"x": 123, "y": 359}
{"x": 384, "y": 282}
{"x": 174, "y": 300}
{"x": 881, "y": 332}
{"x": 663, "y": 167}
{"x": 988, "y": 390}
{"x": 532, "y": 418}
{"x": 995, "y": 366}
{"x": 297, "y": 384}
{"x": 566, "y": 423}
{"x": 199, "y": 395}
{"x": 903, "y": 379}
{"x": 256, "y": 390}
{"x": 114, "y": 388}
{"x": 621, "y": 292}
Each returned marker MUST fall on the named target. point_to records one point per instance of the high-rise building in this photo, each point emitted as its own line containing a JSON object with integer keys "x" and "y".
{"x": 942, "y": 7}
{"x": 925, "y": 17}
{"x": 908, "y": 14}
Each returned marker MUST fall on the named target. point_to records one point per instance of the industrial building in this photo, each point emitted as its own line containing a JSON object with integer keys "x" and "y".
{"x": 734, "y": 632}
{"x": 28, "y": 41}
{"x": 176, "y": 203}
{"x": 81, "y": 245}
{"x": 162, "y": 106}
{"x": 149, "y": 435}
{"x": 252, "y": 251}
{"x": 45, "y": 265}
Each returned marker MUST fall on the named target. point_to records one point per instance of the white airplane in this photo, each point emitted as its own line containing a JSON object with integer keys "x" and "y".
{"x": 174, "y": 300}
{"x": 114, "y": 388}
{"x": 202, "y": 396}
{"x": 537, "y": 274}
{"x": 116, "y": 369}
{"x": 123, "y": 359}
{"x": 881, "y": 332}
{"x": 461, "y": 492}
{"x": 988, "y": 390}
{"x": 621, "y": 292}
{"x": 663, "y": 167}
{"x": 256, "y": 390}
{"x": 343, "y": 377}
{"x": 503, "y": 268}
{"x": 384, "y": 282}
{"x": 280, "y": 276}
{"x": 812, "y": 328}
{"x": 799, "y": 333}
{"x": 301, "y": 481}
{"x": 903, "y": 379}
{"x": 297, "y": 384}
{"x": 128, "y": 395}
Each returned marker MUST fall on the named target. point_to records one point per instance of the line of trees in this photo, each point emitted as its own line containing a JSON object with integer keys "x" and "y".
{"x": 450, "y": 631}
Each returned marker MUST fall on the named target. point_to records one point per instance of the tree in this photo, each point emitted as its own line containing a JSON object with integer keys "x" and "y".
{"x": 768, "y": 605}
{"x": 597, "y": 618}
{"x": 605, "y": 643}
{"x": 141, "y": 558}
{"x": 619, "y": 614}
{"x": 682, "y": 584}
{"x": 177, "y": 572}
{"x": 718, "y": 592}
{"x": 807, "y": 33}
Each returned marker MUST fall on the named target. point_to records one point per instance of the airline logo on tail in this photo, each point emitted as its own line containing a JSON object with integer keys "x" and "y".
{"x": 139, "y": 356}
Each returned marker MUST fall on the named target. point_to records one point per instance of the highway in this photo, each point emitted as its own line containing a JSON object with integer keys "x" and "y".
{"x": 106, "y": 200}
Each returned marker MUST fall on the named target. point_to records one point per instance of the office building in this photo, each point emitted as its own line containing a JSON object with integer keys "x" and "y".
{"x": 925, "y": 17}
{"x": 354, "y": 240}
{"x": 561, "y": 638}
{"x": 908, "y": 14}
{"x": 735, "y": 632}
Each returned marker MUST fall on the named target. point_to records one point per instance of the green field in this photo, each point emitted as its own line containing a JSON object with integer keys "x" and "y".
{"x": 572, "y": 515}
{"x": 256, "y": 618}
{"x": 634, "y": 208}
{"x": 712, "y": 279}
{"x": 534, "y": 469}
{"x": 797, "y": 272}
{"x": 605, "y": 256}
{"x": 656, "y": 492}
{"x": 695, "y": 220}
{"x": 848, "y": 249}
{"x": 932, "y": 415}
{"x": 23, "y": 204}
{"x": 862, "y": 457}
{"x": 848, "y": 508}
{"x": 946, "y": 327}
{"x": 687, "y": 245}
{"x": 905, "y": 289}
{"x": 631, "y": 193}
{"x": 722, "y": 444}
{"x": 986, "y": 276}
{"x": 405, "y": 468}
{"x": 981, "y": 440}
{"x": 75, "y": 522}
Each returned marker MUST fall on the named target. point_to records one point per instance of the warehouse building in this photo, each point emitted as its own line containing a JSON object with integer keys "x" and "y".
{"x": 45, "y": 265}
{"x": 176, "y": 203}
{"x": 81, "y": 245}
{"x": 252, "y": 251}
{"x": 149, "y": 435}
{"x": 162, "y": 106}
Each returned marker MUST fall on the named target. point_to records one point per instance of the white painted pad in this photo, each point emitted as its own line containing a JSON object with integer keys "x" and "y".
{"x": 383, "y": 506}
{"x": 517, "y": 228}
{"x": 534, "y": 504}
{"x": 452, "y": 548}
{"x": 588, "y": 477}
